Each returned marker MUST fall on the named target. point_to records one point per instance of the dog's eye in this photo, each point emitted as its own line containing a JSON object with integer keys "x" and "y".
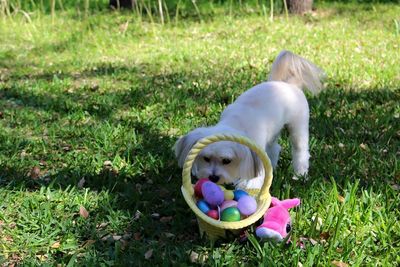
{"x": 226, "y": 161}
{"x": 206, "y": 159}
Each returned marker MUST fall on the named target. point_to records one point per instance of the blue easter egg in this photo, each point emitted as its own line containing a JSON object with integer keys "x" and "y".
{"x": 203, "y": 206}
{"x": 239, "y": 193}
{"x": 212, "y": 193}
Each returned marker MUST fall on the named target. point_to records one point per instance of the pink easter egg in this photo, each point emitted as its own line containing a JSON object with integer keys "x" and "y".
{"x": 227, "y": 204}
{"x": 212, "y": 193}
{"x": 247, "y": 205}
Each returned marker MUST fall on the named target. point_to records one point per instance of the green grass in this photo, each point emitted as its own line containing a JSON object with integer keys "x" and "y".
{"x": 76, "y": 92}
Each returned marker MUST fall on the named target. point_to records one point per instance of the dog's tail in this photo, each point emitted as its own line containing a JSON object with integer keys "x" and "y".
{"x": 296, "y": 70}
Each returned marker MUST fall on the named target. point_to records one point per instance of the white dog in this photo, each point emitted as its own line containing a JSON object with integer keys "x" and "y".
{"x": 260, "y": 114}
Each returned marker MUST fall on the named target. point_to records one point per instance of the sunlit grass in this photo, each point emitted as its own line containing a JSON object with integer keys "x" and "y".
{"x": 91, "y": 106}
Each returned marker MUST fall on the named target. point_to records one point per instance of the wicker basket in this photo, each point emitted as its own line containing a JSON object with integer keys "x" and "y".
{"x": 214, "y": 228}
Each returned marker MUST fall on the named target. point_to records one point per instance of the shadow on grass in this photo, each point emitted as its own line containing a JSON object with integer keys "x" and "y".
{"x": 355, "y": 132}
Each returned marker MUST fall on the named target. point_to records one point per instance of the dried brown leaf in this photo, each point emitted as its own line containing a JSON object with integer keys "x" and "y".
{"x": 34, "y": 173}
{"x": 88, "y": 242}
{"x": 56, "y": 245}
{"x": 148, "y": 254}
{"x": 363, "y": 146}
{"x": 81, "y": 183}
{"x": 339, "y": 263}
{"x": 137, "y": 236}
{"x": 166, "y": 219}
{"x": 324, "y": 235}
{"x": 116, "y": 237}
{"x": 83, "y": 212}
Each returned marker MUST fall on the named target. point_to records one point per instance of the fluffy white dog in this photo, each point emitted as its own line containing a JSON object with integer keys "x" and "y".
{"x": 260, "y": 114}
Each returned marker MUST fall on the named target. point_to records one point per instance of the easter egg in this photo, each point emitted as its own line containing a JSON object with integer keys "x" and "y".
{"x": 197, "y": 187}
{"x": 213, "y": 214}
{"x": 247, "y": 205}
{"x": 212, "y": 194}
{"x": 239, "y": 193}
{"x": 230, "y": 214}
{"x": 222, "y": 188}
{"x": 228, "y": 195}
{"x": 203, "y": 206}
{"x": 227, "y": 204}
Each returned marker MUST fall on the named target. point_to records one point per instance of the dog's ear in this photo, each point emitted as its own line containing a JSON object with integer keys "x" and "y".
{"x": 185, "y": 143}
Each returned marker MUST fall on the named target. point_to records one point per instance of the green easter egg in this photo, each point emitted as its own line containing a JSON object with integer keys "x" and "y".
{"x": 230, "y": 214}
{"x": 228, "y": 195}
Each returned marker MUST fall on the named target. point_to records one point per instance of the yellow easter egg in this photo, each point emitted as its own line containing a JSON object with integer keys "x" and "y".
{"x": 228, "y": 195}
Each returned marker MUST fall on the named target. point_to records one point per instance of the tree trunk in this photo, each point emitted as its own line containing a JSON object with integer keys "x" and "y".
{"x": 122, "y": 4}
{"x": 299, "y": 6}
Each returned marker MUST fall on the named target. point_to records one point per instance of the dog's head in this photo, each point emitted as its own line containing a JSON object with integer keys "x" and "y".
{"x": 222, "y": 162}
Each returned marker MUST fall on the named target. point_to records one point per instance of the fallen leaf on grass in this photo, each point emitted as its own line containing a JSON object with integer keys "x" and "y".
{"x": 137, "y": 236}
{"x": 83, "y": 212}
{"x": 324, "y": 235}
{"x": 340, "y": 198}
{"x": 194, "y": 257}
{"x": 137, "y": 215}
{"x": 81, "y": 183}
{"x": 363, "y": 146}
{"x": 88, "y": 242}
{"x": 395, "y": 187}
{"x": 169, "y": 235}
{"x": 56, "y": 245}
{"x": 42, "y": 257}
{"x": 166, "y": 219}
{"x": 102, "y": 225}
{"x": 116, "y": 237}
{"x": 148, "y": 254}
{"x": 34, "y": 173}
{"x": 339, "y": 264}
{"x": 8, "y": 238}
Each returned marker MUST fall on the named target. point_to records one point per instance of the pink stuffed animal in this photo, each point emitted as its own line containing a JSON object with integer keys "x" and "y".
{"x": 276, "y": 224}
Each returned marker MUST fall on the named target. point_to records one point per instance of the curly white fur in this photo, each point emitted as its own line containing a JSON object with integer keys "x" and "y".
{"x": 260, "y": 113}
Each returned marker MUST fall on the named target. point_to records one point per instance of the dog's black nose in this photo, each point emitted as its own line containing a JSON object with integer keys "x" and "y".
{"x": 213, "y": 178}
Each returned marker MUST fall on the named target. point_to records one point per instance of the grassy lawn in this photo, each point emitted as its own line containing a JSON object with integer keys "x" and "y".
{"x": 90, "y": 107}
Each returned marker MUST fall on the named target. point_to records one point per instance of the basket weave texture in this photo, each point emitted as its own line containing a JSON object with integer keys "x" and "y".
{"x": 216, "y": 229}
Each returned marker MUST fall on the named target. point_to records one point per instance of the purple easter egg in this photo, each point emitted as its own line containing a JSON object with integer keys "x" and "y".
{"x": 227, "y": 204}
{"x": 247, "y": 205}
{"x": 212, "y": 193}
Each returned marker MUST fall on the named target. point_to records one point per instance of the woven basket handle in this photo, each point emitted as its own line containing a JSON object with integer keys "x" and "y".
{"x": 202, "y": 143}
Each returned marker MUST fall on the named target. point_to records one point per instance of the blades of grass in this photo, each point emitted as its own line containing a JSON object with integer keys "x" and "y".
{"x": 86, "y": 7}
{"x": 254, "y": 242}
{"x": 197, "y": 9}
{"x": 271, "y": 16}
{"x": 61, "y": 5}
{"x": 160, "y": 10}
{"x": 167, "y": 12}
{"x": 53, "y": 10}
{"x": 178, "y": 5}
{"x": 285, "y": 8}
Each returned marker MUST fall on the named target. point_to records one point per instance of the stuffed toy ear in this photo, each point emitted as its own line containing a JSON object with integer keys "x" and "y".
{"x": 290, "y": 203}
{"x": 275, "y": 202}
